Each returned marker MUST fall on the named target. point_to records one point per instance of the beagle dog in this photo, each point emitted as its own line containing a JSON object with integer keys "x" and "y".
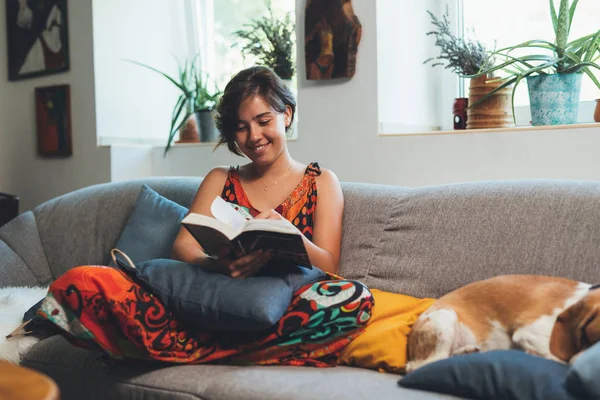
{"x": 577, "y": 328}
{"x": 508, "y": 312}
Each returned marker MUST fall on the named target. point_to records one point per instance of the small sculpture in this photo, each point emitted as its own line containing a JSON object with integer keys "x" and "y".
{"x": 333, "y": 33}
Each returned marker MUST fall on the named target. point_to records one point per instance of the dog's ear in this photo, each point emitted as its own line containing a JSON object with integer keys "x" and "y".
{"x": 565, "y": 338}
{"x": 592, "y": 326}
{"x": 576, "y": 329}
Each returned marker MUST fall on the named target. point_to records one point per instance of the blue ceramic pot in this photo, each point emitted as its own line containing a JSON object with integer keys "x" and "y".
{"x": 554, "y": 98}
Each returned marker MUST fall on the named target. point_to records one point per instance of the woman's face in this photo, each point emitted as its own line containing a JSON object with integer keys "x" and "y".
{"x": 260, "y": 133}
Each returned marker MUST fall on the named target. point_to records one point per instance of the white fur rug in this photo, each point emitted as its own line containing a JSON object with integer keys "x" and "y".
{"x": 14, "y": 302}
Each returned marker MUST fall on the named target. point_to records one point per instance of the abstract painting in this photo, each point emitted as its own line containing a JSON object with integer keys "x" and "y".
{"x": 53, "y": 114}
{"x": 37, "y": 34}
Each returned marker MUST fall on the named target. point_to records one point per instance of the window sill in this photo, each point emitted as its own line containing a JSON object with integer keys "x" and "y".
{"x": 104, "y": 142}
{"x": 494, "y": 130}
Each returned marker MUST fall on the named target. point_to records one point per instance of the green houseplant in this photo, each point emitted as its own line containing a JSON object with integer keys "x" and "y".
{"x": 466, "y": 57}
{"x": 191, "y": 115}
{"x": 462, "y": 56}
{"x": 270, "y": 40}
{"x": 551, "y": 68}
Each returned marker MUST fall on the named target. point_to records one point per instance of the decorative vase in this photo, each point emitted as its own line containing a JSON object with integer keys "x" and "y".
{"x": 459, "y": 110}
{"x": 208, "y": 130}
{"x": 493, "y": 112}
{"x": 597, "y": 111}
{"x": 554, "y": 98}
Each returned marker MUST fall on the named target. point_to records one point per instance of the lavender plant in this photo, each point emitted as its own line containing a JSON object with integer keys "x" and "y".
{"x": 462, "y": 56}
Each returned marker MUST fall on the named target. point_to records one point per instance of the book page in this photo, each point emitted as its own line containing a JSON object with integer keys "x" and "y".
{"x": 225, "y": 213}
{"x": 270, "y": 225}
{"x": 193, "y": 219}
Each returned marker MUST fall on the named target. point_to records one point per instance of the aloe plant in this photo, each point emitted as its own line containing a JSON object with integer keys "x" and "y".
{"x": 196, "y": 95}
{"x": 577, "y": 56}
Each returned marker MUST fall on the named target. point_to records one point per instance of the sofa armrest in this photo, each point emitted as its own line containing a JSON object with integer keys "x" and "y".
{"x": 22, "y": 258}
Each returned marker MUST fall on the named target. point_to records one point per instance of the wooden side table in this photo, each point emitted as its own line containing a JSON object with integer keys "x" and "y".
{"x": 20, "y": 383}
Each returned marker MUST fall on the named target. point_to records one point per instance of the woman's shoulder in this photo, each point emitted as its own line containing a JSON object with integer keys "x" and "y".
{"x": 216, "y": 176}
{"x": 323, "y": 177}
{"x": 219, "y": 173}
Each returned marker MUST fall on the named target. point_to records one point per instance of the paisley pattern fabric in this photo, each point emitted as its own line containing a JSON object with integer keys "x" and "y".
{"x": 100, "y": 307}
{"x": 298, "y": 208}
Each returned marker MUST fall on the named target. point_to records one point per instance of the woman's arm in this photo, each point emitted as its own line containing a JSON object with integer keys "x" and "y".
{"x": 187, "y": 249}
{"x": 324, "y": 250}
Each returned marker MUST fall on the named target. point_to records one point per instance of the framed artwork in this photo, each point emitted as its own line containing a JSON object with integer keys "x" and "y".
{"x": 38, "y": 40}
{"x": 53, "y": 117}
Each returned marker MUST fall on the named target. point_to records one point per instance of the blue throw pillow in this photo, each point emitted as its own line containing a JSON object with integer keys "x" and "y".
{"x": 217, "y": 302}
{"x": 583, "y": 376}
{"x": 499, "y": 374}
{"x": 151, "y": 228}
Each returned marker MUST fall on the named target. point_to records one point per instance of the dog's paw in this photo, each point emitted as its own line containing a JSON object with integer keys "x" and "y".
{"x": 472, "y": 348}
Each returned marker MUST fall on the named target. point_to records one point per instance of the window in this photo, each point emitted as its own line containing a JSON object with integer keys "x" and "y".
{"x": 509, "y": 22}
{"x": 219, "y": 19}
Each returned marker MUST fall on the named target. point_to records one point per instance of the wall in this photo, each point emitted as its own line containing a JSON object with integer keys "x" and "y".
{"x": 33, "y": 179}
{"x": 339, "y": 129}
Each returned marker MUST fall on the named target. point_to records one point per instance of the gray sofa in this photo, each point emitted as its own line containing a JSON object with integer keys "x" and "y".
{"x": 422, "y": 242}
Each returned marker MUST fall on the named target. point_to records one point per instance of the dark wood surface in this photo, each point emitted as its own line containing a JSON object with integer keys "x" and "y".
{"x": 19, "y": 383}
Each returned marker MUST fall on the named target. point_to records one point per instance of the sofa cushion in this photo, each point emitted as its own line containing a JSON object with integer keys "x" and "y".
{"x": 382, "y": 345}
{"x": 428, "y": 241}
{"x": 218, "y": 302}
{"x": 152, "y": 227}
{"x": 22, "y": 236}
{"x": 81, "y": 227}
{"x": 83, "y": 374}
{"x": 19, "y": 274}
{"x": 494, "y": 375}
{"x": 582, "y": 378}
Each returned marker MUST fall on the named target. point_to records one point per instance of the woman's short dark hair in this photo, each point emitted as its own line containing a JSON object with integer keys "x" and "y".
{"x": 245, "y": 84}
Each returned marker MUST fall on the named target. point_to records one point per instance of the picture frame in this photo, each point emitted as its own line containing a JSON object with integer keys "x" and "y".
{"x": 37, "y": 38}
{"x": 53, "y": 120}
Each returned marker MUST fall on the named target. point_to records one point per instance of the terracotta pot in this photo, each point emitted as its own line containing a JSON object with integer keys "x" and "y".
{"x": 597, "y": 111}
{"x": 189, "y": 132}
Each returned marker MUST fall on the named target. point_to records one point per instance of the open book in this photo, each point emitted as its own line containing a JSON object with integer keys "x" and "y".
{"x": 229, "y": 228}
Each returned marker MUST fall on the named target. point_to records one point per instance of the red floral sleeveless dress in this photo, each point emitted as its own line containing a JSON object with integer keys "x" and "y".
{"x": 299, "y": 207}
{"x": 102, "y": 308}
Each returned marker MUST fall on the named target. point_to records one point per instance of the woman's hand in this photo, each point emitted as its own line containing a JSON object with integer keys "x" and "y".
{"x": 241, "y": 267}
{"x": 272, "y": 214}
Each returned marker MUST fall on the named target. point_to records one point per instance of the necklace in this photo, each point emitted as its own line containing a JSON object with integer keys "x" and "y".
{"x": 279, "y": 179}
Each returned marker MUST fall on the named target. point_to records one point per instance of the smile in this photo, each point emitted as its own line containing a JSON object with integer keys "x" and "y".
{"x": 260, "y": 149}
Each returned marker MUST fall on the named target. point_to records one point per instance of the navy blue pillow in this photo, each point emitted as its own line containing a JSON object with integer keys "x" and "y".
{"x": 583, "y": 376}
{"x": 217, "y": 302}
{"x": 499, "y": 374}
{"x": 152, "y": 227}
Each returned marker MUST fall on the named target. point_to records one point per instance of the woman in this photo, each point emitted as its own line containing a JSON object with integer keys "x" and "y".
{"x": 254, "y": 114}
{"x": 324, "y": 315}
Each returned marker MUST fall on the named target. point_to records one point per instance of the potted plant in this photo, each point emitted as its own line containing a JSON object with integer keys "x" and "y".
{"x": 466, "y": 57}
{"x": 270, "y": 40}
{"x": 192, "y": 113}
{"x": 553, "y": 71}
